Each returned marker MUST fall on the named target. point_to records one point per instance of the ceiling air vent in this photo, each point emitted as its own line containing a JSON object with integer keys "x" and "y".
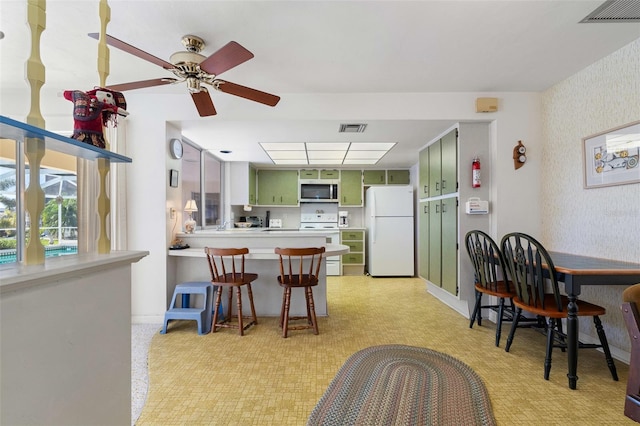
{"x": 352, "y": 128}
{"x": 615, "y": 11}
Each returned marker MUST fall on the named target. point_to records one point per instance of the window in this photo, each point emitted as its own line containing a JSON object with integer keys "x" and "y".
{"x": 201, "y": 179}
{"x": 212, "y": 185}
{"x": 59, "y": 220}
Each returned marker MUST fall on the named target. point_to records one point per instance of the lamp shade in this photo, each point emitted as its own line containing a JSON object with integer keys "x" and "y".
{"x": 191, "y": 206}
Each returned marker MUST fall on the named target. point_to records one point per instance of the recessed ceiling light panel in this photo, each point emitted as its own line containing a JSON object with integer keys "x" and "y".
{"x": 327, "y": 153}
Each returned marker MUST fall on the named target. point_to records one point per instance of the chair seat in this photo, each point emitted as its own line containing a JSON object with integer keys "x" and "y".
{"x": 297, "y": 281}
{"x": 585, "y": 309}
{"x": 235, "y": 279}
{"x": 500, "y": 290}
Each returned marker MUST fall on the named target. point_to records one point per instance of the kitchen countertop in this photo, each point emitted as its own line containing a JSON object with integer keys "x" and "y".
{"x": 262, "y": 232}
{"x": 259, "y": 253}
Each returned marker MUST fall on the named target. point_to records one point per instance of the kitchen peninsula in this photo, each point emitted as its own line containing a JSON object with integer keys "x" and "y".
{"x": 191, "y": 265}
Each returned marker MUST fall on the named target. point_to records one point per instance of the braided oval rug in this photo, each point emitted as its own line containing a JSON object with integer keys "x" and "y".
{"x": 403, "y": 385}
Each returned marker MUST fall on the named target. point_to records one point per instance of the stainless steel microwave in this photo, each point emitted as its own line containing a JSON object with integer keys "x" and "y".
{"x": 314, "y": 191}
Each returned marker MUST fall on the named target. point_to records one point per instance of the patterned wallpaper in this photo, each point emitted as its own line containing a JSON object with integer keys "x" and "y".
{"x": 603, "y": 222}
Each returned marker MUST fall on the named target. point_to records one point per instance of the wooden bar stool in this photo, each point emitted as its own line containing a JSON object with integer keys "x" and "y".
{"x": 220, "y": 260}
{"x": 299, "y": 268}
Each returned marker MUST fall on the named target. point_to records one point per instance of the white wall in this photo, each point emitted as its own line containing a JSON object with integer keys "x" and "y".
{"x": 603, "y": 222}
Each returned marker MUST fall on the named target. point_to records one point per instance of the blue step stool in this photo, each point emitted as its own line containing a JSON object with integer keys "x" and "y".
{"x": 200, "y": 314}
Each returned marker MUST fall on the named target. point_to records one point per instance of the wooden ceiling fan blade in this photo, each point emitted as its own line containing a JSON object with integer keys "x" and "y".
{"x": 230, "y": 55}
{"x": 119, "y": 44}
{"x": 141, "y": 84}
{"x": 203, "y": 102}
{"x": 246, "y": 92}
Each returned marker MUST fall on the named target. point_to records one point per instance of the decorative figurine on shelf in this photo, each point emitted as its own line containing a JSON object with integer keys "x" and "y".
{"x": 92, "y": 110}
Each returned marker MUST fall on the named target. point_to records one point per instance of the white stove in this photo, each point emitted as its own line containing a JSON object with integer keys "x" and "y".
{"x": 328, "y": 222}
{"x": 319, "y": 221}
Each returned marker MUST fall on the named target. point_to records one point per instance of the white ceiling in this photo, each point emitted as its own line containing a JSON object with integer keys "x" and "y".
{"x": 319, "y": 48}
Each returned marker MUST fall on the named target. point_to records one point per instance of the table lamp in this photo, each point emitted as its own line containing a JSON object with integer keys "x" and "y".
{"x": 190, "y": 224}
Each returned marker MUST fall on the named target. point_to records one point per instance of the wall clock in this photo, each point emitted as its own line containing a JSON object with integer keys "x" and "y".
{"x": 175, "y": 147}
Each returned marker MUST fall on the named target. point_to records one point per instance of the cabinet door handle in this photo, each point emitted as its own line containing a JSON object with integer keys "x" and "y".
{"x": 425, "y": 209}
{"x": 444, "y": 207}
{"x": 437, "y": 210}
{"x": 426, "y": 189}
{"x": 444, "y": 184}
{"x": 437, "y": 183}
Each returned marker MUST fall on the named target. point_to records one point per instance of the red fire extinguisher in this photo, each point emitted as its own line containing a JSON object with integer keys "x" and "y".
{"x": 475, "y": 172}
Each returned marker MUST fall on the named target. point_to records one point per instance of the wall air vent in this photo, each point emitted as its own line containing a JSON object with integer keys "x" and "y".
{"x": 615, "y": 11}
{"x": 352, "y": 128}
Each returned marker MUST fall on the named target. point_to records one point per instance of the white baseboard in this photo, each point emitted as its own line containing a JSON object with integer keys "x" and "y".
{"x": 460, "y": 306}
{"x": 147, "y": 319}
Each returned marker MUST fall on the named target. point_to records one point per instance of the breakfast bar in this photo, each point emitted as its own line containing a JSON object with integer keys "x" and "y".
{"x": 190, "y": 263}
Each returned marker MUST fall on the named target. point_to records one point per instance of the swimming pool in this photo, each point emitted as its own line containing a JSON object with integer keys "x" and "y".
{"x": 9, "y": 256}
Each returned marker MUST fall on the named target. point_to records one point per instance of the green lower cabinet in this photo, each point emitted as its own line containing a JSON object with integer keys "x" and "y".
{"x": 435, "y": 242}
{"x": 355, "y": 241}
{"x": 442, "y": 242}
{"x": 423, "y": 241}
{"x": 449, "y": 216}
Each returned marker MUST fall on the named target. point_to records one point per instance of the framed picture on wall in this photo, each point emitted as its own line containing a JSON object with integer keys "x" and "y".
{"x": 173, "y": 178}
{"x": 611, "y": 157}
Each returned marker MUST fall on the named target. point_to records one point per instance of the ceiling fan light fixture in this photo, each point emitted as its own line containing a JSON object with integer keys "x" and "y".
{"x": 183, "y": 58}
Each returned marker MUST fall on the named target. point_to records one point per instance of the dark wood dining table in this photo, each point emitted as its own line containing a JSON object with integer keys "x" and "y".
{"x": 576, "y": 271}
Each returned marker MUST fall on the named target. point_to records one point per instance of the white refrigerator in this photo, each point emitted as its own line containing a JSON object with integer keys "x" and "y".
{"x": 389, "y": 222}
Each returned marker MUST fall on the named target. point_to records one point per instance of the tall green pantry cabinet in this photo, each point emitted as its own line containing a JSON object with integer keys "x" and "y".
{"x": 444, "y": 185}
{"x": 438, "y": 214}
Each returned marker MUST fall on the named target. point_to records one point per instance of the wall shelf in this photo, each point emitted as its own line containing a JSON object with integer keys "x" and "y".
{"x": 16, "y": 130}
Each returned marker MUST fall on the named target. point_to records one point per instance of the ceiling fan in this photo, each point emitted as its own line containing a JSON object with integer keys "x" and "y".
{"x": 195, "y": 69}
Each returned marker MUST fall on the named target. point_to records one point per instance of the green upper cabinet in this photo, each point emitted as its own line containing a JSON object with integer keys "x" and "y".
{"x": 443, "y": 169}
{"x": 449, "y": 155}
{"x": 374, "y": 177}
{"x": 423, "y": 179}
{"x": 329, "y": 174}
{"x": 308, "y": 174}
{"x": 435, "y": 167}
{"x": 277, "y": 187}
{"x": 351, "y": 188}
{"x": 398, "y": 177}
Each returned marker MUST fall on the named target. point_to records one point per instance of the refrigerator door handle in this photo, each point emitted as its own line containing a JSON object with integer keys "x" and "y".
{"x": 372, "y": 231}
